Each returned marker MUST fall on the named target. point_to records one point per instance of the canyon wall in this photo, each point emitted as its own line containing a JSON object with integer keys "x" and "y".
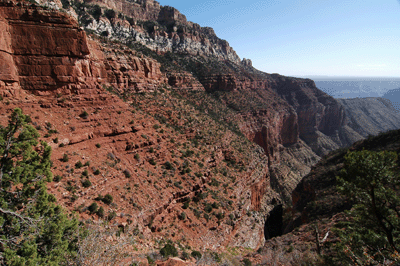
{"x": 203, "y": 94}
{"x": 160, "y": 28}
{"x": 47, "y": 53}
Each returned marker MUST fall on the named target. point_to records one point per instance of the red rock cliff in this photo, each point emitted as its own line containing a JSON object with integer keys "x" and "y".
{"x": 46, "y": 52}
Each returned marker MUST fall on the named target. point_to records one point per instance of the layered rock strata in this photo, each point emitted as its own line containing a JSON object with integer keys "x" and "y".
{"x": 160, "y": 28}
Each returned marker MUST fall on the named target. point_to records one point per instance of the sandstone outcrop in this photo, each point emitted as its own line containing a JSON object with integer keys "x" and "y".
{"x": 47, "y": 53}
{"x": 43, "y": 50}
{"x": 184, "y": 80}
{"x": 127, "y": 72}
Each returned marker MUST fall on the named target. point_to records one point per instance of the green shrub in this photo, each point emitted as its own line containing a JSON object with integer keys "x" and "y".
{"x": 152, "y": 162}
{"x": 86, "y": 183}
{"x": 100, "y": 212}
{"x": 196, "y": 213}
{"x": 84, "y": 114}
{"x": 198, "y": 174}
{"x": 95, "y": 11}
{"x": 214, "y": 182}
{"x": 127, "y": 173}
{"x": 96, "y": 172}
{"x": 111, "y": 215}
{"x": 247, "y": 262}
{"x": 168, "y": 166}
{"x": 185, "y": 255}
{"x": 178, "y": 184}
{"x": 182, "y": 216}
{"x": 199, "y": 197}
{"x": 78, "y": 164}
{"x": 110, "y": 14}
{"x": 169, "y": 250}
{"x": 196, "y": 254}
{"x": 93, "y": 207}
{"x": 57, "y": 178}
{"x": 220, "y": 216}
{"x": 99, "y": 198}
{"x": 107, "y": 199}
{"x": 85, "y": 173}
{"x": 65, "y": 158}
{"x": 208, "y": 208}
{"x": 98, "y": 145}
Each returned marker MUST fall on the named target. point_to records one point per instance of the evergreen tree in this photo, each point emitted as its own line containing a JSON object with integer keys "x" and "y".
{"x": 33, "y": 229}
{"x": 372, "y": 233}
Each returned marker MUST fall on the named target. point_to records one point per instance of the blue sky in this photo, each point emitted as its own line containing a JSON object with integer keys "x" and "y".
{"x": 306, "y": 37}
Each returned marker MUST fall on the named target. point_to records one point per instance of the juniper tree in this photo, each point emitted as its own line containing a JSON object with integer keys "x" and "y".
{"x": 372, "y": 233}
{"x": 33, "y": 229}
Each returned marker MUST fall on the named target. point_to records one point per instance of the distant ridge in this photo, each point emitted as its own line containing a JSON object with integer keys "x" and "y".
{"x": 370, "y": 116}
{"x": 394, "y": 97}
{"x": 350, "y": 78}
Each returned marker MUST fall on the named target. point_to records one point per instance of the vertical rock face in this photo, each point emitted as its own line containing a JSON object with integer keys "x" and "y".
{"x": 8, "y": 70}
{"x": 46, "y": 52}
{"x": 160, "y": 28}
{"x": 129, "y": 73}
{"x": 317, "y": 112}
{"x": 43, "y": 50}
{"x": 184, "y": 81}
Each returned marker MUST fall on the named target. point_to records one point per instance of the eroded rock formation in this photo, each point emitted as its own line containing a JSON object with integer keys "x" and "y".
{"x": 182, "y": 138}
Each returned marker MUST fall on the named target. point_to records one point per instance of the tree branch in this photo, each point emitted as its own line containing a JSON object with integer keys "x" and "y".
{"x": 25, "y": 219}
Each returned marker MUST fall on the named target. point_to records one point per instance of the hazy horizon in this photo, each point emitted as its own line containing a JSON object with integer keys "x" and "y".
{"x": 306, "y": 38}
{"x": 326, "y": 77}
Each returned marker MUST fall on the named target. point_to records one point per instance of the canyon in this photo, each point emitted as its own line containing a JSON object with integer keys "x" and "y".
{"x": 192, "y": 143}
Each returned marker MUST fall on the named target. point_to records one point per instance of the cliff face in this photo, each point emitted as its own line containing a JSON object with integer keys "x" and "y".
{"x": 40, "y": 50}
{"x": 176, "y": 139}
{"x": 46, "y": 52}
{"x": 161, "y": 28}
{"x": 320, "y": 116}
